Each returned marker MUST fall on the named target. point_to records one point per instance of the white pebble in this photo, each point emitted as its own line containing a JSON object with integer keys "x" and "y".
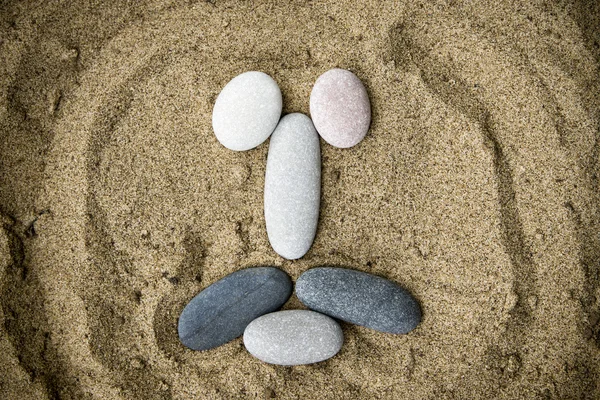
{"x": 247, "y": 111}
{"x": 293, "y": 186}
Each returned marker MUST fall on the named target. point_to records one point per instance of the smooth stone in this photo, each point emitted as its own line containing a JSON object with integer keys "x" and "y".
{"x": 340, "y": 108}
{"x": 221, "y": 312}
{"x": 247, "y": 111}
{"x": 293, "y": 337}
{"x": 359, "y": 298}
{"x": 293, "y": 186}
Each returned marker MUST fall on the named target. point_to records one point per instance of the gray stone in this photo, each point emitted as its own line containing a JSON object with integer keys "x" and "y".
{"x": 359, "y": 298}
{"x": 340, "y": 108}
{"x": 247, "y": 111}
{"x": 293, "y": 186}
{"x": 293, "y": 337}
{"x": 221, "y": 312}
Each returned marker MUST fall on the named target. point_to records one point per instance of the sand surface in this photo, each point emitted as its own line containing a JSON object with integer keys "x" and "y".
{"x": 476, "y": 188}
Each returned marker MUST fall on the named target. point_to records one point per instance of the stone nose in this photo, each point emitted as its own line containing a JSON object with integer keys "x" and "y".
{"x": 293, "y": 186}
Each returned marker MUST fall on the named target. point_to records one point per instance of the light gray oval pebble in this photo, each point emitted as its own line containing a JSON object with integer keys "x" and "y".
{"x": 359, "y": 298}
{"x": 247, "y": 111}
{"x": 293, "y": 337}
{"x": 293, "y": 186}
{"x": 340, "y": 108}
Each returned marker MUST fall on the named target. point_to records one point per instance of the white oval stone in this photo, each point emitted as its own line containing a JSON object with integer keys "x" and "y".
{"x": 247, "y": 111}
{"x": 293, "y": 186}
{"x": 293, "y": 337}
{"x": 340, "y": 108}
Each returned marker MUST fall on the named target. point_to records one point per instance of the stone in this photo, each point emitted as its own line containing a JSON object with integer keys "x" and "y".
{"x": 293, "y": 337}
{"x": 359, "y": 298}
{"x": 221, "y": 312}
{"x": 340, "y": 108}
{"x": 247, "y": 111}
{"x": 293, "y": 186}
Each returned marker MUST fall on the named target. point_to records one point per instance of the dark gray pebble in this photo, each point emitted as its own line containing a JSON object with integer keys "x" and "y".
{"x": 221, "y": 312}
{"x": 359, "y": 298}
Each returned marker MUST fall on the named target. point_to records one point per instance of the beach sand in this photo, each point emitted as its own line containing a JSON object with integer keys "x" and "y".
{"x": 476, "y": 189}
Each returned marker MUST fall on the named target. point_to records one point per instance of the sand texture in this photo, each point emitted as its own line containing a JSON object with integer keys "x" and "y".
{"x": 476, "y": 189}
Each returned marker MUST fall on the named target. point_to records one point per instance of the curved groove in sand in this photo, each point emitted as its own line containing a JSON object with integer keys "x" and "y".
{"x": 487, "y": 85}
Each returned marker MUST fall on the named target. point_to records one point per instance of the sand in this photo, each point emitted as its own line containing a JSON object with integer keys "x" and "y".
{"x": 476, "y": 188}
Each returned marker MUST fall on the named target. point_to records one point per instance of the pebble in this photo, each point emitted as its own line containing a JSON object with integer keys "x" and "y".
{"x": 247, "y": 111}
{"x": 293, "y": 337}
{"x": 340, "y": 108}
{"x": 293, "y": 186}
{"x": 359, "y": 298}
{"x": 221, "y": 312}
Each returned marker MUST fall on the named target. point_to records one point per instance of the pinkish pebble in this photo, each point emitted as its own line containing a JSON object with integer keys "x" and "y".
{"x": 340, "y": 108}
